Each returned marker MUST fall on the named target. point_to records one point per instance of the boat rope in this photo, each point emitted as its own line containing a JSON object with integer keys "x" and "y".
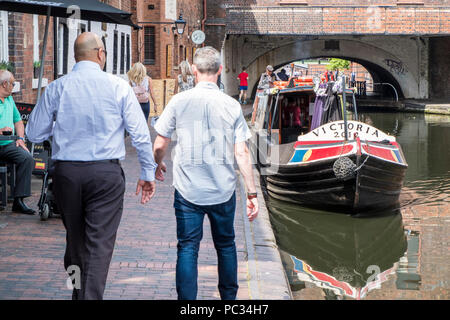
{"x": 367, "y": 157}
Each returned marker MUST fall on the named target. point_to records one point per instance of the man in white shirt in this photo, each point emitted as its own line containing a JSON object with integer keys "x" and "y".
{"x": 211, "y": 132}
{"x": 87, "y": 112}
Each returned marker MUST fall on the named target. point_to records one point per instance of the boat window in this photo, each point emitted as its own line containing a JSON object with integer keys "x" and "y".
{"x": 268, "y": 115}
{"x": 261, "y": 111}
{"x": 274, "y": 113}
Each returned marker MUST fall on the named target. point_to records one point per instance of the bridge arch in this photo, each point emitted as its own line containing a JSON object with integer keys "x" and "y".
{"x": 396, "y": 68}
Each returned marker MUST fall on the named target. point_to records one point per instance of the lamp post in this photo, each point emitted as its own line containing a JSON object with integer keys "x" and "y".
{"x": 180, "y": 24}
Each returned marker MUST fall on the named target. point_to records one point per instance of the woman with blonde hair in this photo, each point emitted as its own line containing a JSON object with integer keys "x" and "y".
{"x": 142, "y": 86}
{"x": 186, "y": 79}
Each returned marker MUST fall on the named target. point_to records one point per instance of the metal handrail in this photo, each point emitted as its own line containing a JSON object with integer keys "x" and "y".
{"x": 386, "y": 83}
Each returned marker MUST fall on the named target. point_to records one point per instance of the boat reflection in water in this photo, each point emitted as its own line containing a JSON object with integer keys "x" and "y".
{"x": 346, "y": 256}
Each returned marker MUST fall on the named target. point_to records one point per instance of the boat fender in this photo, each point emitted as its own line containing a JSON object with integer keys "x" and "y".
{"x": 344, "y": 168}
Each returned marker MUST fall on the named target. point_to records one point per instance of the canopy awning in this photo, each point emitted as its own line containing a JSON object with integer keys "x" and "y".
{"x": 92, "y": 10}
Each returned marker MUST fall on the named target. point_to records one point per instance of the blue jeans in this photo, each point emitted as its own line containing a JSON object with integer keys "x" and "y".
{"x": 189, "y": 233}
{"x": 146, "y": 109}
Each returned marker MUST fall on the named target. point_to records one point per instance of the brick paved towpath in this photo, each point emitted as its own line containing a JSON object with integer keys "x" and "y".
{"x": 144, "y": 260}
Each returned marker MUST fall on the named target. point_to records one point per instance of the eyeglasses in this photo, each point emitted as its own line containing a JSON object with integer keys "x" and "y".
{"x": 9, "y": 83}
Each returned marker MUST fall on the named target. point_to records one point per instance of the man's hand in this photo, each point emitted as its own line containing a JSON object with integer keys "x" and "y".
{"x": 159, "y": 175}
{"x": 148, "y": 190}
{"x": 21, "y": 143}
{"x": 155, "y": 108}
{"x": 252, "y": 208}
{"x": 5, "y": 129}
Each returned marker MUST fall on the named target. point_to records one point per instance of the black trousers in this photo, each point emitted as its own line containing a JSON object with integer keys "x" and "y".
{"x": 89, "y": 196}
{"x": 24, "y": 167}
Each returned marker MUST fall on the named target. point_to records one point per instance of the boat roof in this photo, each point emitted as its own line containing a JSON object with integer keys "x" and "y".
{"x": 297, "y": 89}
{"x": 307, "y": 88}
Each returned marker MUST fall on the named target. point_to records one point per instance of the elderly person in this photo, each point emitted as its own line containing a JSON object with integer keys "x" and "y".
{"x": 185, "y": 79}
{"x": 16, "y": 152}
{"x": 265, "y": 82}
{"x": 92, "y": 109}
{"x": 211, "y": 133}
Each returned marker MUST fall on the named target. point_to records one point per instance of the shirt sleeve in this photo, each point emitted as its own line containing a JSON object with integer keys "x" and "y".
{"x": 241, "y": 130}
{"x": 166, "y": 123}
{"x": 140, "y": 135}
{"x": 40, "y": 122}
{"x": 16, "y": 114}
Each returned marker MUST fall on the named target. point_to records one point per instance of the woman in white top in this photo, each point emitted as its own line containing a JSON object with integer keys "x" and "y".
{"x": 186, "y": 79}
{"x": 142, "y": 86}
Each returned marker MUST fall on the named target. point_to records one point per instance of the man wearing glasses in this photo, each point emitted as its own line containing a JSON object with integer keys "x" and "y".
{"x": 16, "y": 152}
{"x": 86, "y": 112}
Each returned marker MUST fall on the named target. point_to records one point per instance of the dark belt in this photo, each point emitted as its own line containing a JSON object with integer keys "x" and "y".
{"x": 89, "y": 162}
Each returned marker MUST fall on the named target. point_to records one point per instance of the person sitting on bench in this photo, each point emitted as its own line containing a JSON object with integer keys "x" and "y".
{"x": 15, "y": 151}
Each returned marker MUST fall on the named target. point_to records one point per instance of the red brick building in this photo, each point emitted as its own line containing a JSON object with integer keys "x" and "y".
{"x": 157, "y": 45}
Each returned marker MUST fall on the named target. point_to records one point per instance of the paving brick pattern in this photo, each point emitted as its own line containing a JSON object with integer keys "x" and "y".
{"x": 144, "y": 260}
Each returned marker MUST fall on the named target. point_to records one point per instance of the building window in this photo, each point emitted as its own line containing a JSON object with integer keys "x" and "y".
{"x": 106, "y": 61}
{"x": 4, "y": 36}
{"x": 81, "y": 28}
{"x": 149, "y": 45}
{"x": 63, "y": 48}
{"x": 35, "y": 38}
{"x": 115, "y": 52}
{"x": 122, "y": 53}
{"x": 175, "y": 52}
{"x": 181, "y": 54}
{"x": 128, "y": 52}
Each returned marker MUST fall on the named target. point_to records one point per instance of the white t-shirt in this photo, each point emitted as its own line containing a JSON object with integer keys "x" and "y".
{"x": 208, "y": 124}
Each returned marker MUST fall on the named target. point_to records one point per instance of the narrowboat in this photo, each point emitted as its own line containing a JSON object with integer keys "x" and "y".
{"x": 309, "y": 152}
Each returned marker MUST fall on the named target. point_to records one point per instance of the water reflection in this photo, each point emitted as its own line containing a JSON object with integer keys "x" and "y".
{"x": 426, "y": 146}
{"x": 346, "y": 256}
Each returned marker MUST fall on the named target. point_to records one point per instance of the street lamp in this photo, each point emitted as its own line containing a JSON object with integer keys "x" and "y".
{"x": 180, "y": 24}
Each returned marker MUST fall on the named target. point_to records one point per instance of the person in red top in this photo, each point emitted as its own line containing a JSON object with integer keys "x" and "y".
{"x": 243, "y": 85}
{"x": 291, "y": 114}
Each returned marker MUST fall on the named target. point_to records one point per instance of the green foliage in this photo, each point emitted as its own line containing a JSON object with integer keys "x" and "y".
{"x": 340, "y": 64}
{"x": 37, "y": 64}
{"x": 5, "y": 65}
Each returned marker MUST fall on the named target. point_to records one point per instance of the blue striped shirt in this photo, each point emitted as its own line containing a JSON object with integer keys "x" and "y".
{"x": 91, "y": 109}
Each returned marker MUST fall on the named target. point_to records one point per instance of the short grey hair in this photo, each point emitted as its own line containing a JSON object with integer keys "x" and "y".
{"x": 5, "y": 75}
{"x": 207, "y": 60}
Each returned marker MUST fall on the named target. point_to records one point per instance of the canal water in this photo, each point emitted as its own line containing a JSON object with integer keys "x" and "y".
{"x": 401, "y": 254}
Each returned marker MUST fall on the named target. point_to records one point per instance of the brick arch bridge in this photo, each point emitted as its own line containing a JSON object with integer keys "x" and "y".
{"x": 402, "y": 62}
{"x": 405, "y": 43}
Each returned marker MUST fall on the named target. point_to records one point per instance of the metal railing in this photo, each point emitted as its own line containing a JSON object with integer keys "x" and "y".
{"x": 388, "y": 84}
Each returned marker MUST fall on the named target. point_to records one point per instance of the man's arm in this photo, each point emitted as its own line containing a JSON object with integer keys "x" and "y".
{"x": 20, "y": 131}
{"x": 159, "y": 150}
{"x": 245, "y": 167}
{"x": 140, "y": 139}
{"x": 40, "y": 122}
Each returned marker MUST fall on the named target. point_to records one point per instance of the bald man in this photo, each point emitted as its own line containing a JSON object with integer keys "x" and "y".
{"x": 87, "y": 112}
{"x": 17, "y": 153}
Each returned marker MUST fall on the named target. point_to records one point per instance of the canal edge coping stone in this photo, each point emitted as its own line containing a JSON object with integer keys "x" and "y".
{"x": 266, "y": 276}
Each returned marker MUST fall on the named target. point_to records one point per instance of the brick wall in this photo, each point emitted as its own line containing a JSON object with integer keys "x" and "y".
{"x": 439, "y": 68}
{"x": 405, "y": 20}
{"x": 361, "y": 73}
{"x": 21, "y": 48}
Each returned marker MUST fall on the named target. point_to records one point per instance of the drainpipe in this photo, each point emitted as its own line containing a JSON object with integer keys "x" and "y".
{"x": 204, "y": 19}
